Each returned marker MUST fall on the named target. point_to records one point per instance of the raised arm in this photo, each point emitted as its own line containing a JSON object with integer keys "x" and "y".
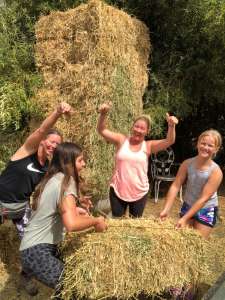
{"x": 209, "y": 189}
{"x": 32, "y": 142}
{"x": 174, "y": 189}
{"x": 110, "y": 136}
{"x": 75, "y": 222}
{"x": 158, "y": 145}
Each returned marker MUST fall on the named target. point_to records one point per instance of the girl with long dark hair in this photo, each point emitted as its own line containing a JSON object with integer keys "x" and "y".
{"x": 56, "y": 210}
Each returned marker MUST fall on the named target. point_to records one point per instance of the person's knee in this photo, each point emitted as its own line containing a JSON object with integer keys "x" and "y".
{"x": 136, "y": 211}
{"x": 51, "y": 279}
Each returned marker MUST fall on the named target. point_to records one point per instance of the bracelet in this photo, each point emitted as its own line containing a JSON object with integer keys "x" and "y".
{"x": 171, "y": 125}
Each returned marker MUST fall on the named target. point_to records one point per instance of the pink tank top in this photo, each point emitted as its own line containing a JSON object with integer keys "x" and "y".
{"x": 130, "y": 178}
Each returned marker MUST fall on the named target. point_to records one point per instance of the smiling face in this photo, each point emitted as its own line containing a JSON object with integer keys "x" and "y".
{"x": 139, "y": 130}
{"x": 80, "y": 163}
{"x": 50, "y": 143}
{"x": 207, "y": 146}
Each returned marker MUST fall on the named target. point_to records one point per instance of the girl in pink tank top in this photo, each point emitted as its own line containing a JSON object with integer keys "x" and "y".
{"x": 129, "y": 184}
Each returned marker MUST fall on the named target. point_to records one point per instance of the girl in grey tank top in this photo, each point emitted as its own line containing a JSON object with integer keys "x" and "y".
{"x": 196, "y": 180}
{"x": 202, "y": 177}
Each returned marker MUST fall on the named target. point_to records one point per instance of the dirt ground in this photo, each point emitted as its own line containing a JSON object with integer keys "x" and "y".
{"x": 9, "y": 274}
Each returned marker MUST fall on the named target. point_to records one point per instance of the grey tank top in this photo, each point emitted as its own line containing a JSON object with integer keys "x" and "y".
{"x": 196, "y": 179}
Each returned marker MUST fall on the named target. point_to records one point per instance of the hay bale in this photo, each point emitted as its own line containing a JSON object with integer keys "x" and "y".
{"x": 88, "y": 55}
{"x": 9, "y": 243}
{"x": 4, "y": 276}
{"x": 103, "y": 206}
{"x": 133, "y": 256}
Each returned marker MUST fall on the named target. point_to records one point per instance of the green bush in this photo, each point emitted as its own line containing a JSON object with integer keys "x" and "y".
{"x": 13, "y": 105}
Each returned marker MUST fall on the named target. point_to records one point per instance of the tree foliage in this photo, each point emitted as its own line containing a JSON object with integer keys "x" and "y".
{"x": 17, "y": 71}
{"x": 188, "y": 63}
{"x": 19, "y": 77}
{"x": 186, "y": 74}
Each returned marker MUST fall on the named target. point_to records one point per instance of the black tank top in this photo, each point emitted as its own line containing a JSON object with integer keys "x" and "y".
{"x": 19, "y": 179}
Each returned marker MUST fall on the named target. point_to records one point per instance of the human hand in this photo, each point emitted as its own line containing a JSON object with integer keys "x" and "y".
{"x": 86, "y": 202}
{"x": 163, "y": 215}
{"x": 105, "y": 108}
{"x": 171, "y": 120}
{"x": 64, "y": 108}
{"x": 182, "y": 222}
{"x": 100, "y": 225}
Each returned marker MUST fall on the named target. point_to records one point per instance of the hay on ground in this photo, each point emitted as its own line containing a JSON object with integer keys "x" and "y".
{"x": 88, "y": 55}
{"x": 133, "y": 256}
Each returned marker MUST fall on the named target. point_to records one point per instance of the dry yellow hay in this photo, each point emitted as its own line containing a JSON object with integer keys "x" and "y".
{"x": 4, "y": 276}
{"x": 131, "y": 257}
{"x": 8, "y": 240}
{"x": 8, "y": 243}
{"x": 88, "y": 55}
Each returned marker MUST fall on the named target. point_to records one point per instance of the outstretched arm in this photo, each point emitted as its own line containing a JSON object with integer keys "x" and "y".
{"x": 209, "y": 189}
{"x": 158, "y": 145}
{"x": 110, "y": 136}
{"x": 75, "y": 222}
{"x": 32, "y": 142}
{"x": 174, "y": 189}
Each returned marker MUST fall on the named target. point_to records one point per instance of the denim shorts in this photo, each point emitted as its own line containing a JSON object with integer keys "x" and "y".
{"x": 206, "y": 216}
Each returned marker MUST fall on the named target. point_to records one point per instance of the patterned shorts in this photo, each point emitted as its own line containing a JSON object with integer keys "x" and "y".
{"x": 42, "y": 262}
{"x": 21, "y": 223}
{"x": 206, "y": 216}
{"x": 20, "y": 218}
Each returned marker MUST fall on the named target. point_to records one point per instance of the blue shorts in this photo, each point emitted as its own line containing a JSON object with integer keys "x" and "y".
{"x": 206, "y": 216}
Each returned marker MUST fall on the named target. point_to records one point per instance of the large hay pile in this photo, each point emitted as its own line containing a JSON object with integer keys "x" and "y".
{"x": 132, "y": 257}
{"x": 88, "y": 55}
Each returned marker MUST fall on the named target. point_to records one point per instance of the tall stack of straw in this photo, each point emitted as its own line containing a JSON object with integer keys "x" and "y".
{"x": 88, "y": 55}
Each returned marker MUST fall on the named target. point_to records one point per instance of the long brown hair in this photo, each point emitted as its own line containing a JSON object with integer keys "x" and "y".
{"x": 64, "y": 161}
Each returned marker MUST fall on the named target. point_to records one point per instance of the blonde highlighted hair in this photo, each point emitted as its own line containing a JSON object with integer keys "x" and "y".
{"x": 214, "y": 134}
{"x": 146, "y": 119}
